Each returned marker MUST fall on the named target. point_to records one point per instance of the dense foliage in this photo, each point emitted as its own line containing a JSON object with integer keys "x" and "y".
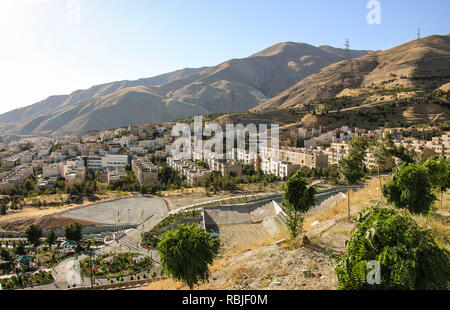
{"x": 187, "y": 252}
{"x": 410, "y": 188}
{"x": 33, "y": 233}
{"x": 439, "y": 174}
{"x": 408, "y": 255}
{"x": 73, "y": 232}
{"x": 298, "y": 198}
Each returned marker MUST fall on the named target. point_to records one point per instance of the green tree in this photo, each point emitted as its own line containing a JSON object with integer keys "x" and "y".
{"x": 20, "y": 249}
{"x": 5, "y": 255}
{"x": 3, "y": 208}
{"x": 73, "y": 232}
{"x": 51, "y": 238}
{"x": 439, "y": 174}
{"x": 408, "y": 255}
{"x": 33, "y": 233}
{"x": 382, "y": 150}
{"x": 298, "y": 198}
{"x": 351, "y": 168}
{"x": 187, "y": 252}
{"x": 75, "y": 192}
{"x": 410, "y": 188}
{"x": 28, "y": 185}
{"x": 403, "y": 154}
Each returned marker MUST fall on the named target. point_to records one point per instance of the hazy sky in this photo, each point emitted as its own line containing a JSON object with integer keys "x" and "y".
{"x": 53, "y": 47}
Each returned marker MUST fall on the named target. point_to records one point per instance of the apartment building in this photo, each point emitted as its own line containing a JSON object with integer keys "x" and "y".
{"x": 53, "y": 170}
{"x": 115, "y": 174}
{"x": 144, "y": 170}
{"x": 194, "y": 173}
{"x": 104, "y": 162}
{"x": 16, "y": 178}
{"x": 225, "y": 167}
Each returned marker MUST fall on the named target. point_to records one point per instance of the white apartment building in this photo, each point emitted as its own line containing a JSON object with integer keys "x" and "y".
{"x": 53, "y": 170}
{"x": 108, "y": 161}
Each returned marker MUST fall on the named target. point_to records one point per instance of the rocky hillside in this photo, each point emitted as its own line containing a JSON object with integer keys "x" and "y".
{"x": 416, "y": 64}
{"x": 175, "y": 95}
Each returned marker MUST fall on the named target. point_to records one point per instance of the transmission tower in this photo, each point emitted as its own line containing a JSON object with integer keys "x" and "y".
{"x": 347, "y": 49}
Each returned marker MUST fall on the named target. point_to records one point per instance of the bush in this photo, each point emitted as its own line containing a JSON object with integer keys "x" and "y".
{"x": 408, "y": 255}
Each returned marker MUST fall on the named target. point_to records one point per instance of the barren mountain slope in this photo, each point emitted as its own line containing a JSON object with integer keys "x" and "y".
{"x": 413, "y": 64}
{"x": 179, "y": 94}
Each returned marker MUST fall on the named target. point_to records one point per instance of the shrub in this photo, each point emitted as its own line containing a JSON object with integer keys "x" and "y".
{"x": 408, "y": 255}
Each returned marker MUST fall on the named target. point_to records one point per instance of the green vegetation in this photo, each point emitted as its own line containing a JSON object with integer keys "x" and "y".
{"x": 186, "y": 254}
{"x": 27, "y": 280}
{"x": 73, "y": 232}
{"x": 298, "y": 198}
{"x": 329, "y": 173}
{"x": 408, "y": 255}
{"x": 148, "y": 238}
{"x": 215, "y": 181}
{"x": 33, "y": 233}
{"x": 351, "y": 168}
{"x": 128, "y": 184}
{"x": 382, "y": 149}
{"x": 439, "y": 174}
{"x": 114, "y": 265}
{"x": 51, "y": 238}
{"x": 410, "y": 188}
{"x": 169, "y": 178}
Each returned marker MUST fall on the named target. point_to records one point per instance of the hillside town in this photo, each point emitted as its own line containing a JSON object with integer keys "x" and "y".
{"x": 110, "y": 152}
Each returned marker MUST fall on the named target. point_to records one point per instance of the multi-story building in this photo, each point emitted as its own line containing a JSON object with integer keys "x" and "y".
{"x": 116, "y": 174}
{"x": 144, "y": 170}
{"x": 53, "y": 170}
{"x": 104, "y": 162}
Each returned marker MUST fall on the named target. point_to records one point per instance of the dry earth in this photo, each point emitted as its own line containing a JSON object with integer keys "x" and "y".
{"x": 258, "y": 261}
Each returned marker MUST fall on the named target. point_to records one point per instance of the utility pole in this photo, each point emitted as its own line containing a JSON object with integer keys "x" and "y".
{"x": 92, "y": 269}
{"x": 347, "y": 55}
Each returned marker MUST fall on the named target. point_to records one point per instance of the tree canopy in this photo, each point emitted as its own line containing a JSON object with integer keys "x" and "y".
{"x": 186, "y": 253}
{"x": 33, "y": 233}
{"x": 408, "y": 255}
{"x": 73, "y": 232}
{"x": 298, "y": 198}
{"x": 439, "y": 174}
{"x": 410, "y": 188}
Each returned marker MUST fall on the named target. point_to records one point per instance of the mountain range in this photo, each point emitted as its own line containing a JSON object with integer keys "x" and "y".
{"x": 421, "y": 63}
{"x": 236, "y": 85}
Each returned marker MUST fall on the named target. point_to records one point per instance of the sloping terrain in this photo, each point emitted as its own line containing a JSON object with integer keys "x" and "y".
{"x": 416, "y": 64}
{"x": 232, "y": 86}
{"x": 301, "y": 263}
